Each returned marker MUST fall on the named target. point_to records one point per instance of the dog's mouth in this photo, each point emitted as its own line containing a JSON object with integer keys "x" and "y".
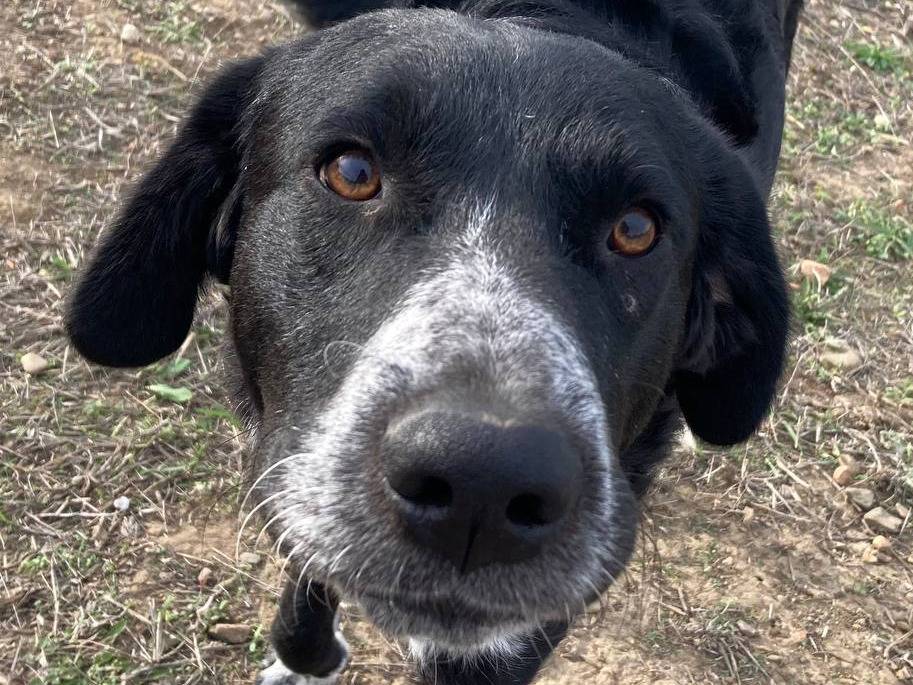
{"x": 443, "y": 618}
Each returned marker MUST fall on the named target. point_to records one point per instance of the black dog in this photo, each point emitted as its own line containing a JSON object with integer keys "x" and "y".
{"x": 481, "y": 261}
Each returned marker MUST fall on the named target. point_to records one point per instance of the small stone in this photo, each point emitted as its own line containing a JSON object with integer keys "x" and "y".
{"x": 870, "y": 555}
{"x": 843, "y": 475}
{"x": 231, "y": 633}
{"x": 130, "y": 34}
{"x": 34, "y": 364}
{"x": 861, "y": 497}
{"x": 848, "y": 359}
{"x": 122, "y": 504}
{"x": 815, "y": 271}
{"x": 249, "y": 559}
{"x": 746, "y": 628}
{"x": 902, "y": 510}
{"x": 206, "y": 577}
{"x": 881, "y": 543}
{"x": 880, "y": 518}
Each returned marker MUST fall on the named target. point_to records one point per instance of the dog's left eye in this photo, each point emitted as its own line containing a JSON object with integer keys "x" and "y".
{"x": 634, "y": 233}
{"x": 353, "y": 175}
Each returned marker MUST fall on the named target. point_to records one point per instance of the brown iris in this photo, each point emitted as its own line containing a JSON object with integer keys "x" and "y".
{"x": 353, "y": 175}
{"x": 634, "y": 233}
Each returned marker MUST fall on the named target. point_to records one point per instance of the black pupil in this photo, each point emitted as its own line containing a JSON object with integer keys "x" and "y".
{"x": 636, "y": 225}
{"x": 355, "y": 170}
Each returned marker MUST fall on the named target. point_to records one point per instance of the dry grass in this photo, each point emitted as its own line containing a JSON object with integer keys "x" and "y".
{"x": 752, "y": 565}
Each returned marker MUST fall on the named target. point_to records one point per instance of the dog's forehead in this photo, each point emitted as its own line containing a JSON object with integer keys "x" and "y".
{"x": 436, "y": 60}
{"x": 459, "y": 92}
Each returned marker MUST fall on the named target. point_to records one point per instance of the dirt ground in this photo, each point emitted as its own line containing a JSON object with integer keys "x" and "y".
{"x": 756, "y": 565}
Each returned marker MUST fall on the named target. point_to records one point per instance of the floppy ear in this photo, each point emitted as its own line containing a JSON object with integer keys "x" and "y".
{"x": 738, "y": 314}
{"x": 708, "y": 63}
{"x": 133, "y": 303}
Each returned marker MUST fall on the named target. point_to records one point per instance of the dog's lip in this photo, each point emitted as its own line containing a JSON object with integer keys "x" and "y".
{"x": 440, "y": 604}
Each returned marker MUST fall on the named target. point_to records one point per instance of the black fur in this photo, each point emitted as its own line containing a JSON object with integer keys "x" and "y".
{"x": 559, "y": 115}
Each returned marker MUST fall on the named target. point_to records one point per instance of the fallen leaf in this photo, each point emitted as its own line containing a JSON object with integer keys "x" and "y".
{"x": 815, "y": 271}
{"x": 166, "y": 392}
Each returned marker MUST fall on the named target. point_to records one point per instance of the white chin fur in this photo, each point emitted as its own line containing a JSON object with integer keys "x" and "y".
{"x": 500, "y": 647}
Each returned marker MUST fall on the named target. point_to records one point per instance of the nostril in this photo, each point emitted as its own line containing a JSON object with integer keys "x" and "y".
{"x": 528, "y": 510}
{"x": 424, "y": 491}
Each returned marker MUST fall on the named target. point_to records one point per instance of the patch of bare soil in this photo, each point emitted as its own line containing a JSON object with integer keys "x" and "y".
{"x": 781, "y": 561}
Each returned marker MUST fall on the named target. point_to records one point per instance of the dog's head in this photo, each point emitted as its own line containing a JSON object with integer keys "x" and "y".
{"x": 472, "y": 265}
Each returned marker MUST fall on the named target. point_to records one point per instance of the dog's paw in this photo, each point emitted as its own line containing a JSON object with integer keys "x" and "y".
{"x": 279, "y": 674}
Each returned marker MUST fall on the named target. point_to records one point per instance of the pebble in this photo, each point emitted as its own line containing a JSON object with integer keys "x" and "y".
{"x": 746, "y": 628}
{"x": 880, "y": 518}
{"x": 861, "y": 497}
{"x": 881, "y": 543}
{"x": 902, "y": 510}
{"x": 848, "y": 359}
{"x": 34, "y": 364}
{"x": 231, "y": 633}
{"x": 870, "y": 555}
{"x": 843, "y": 475}
{"x": 122, "y": 504}
{"x": 130, "y": 34}
{"x": 249, "y": 559}
{"x": 206, "y": 577}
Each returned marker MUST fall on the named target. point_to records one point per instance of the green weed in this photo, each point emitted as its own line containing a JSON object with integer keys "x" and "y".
{"x": 879, "y": 58}
{"x": 884, "y": 233}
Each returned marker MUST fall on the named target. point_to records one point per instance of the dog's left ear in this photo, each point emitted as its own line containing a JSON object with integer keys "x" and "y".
{"x": 738, "y": 314}
{"x": 707, "y": 60}
{"x": 134, "y": 301}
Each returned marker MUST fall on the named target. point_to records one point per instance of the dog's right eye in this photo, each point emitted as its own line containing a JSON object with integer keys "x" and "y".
{"x": 353, "y": 175}
{"x": 634, "y": 233}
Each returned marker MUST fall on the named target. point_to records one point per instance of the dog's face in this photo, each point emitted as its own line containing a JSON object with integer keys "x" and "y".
{"x": 470, "y": 264}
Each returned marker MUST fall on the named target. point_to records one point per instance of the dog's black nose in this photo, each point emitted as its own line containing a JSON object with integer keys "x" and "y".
{"x": 478, "y": 490}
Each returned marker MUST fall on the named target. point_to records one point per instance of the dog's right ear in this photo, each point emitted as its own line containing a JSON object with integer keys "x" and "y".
{"x": 133, "y": 303}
